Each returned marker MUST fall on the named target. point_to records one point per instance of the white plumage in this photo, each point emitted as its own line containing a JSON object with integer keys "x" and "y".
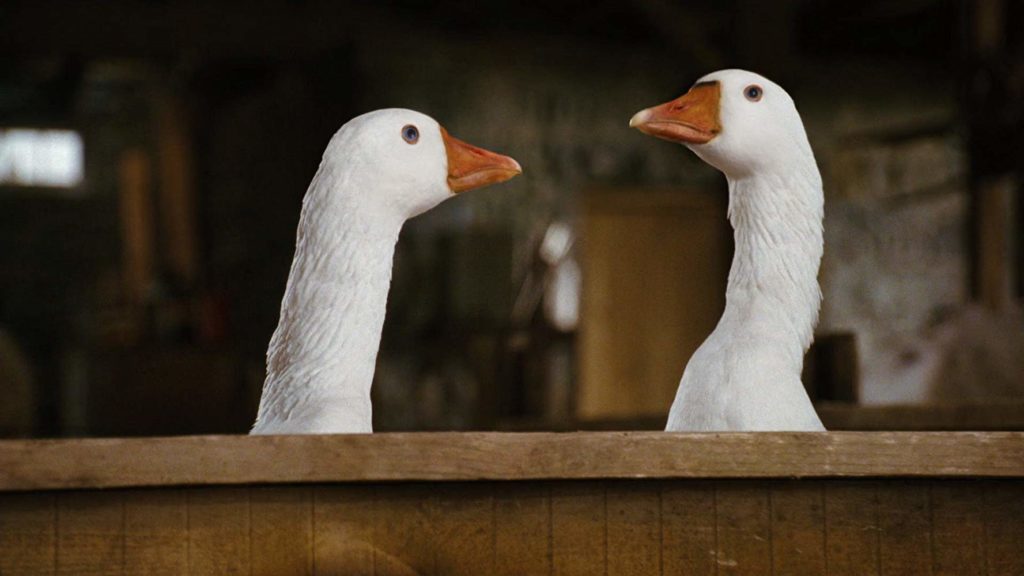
{"x": 746, "y": 375}
{"x": 379, "y": 170}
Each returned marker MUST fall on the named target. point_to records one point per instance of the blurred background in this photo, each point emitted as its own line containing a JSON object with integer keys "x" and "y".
{"x": 154, "y": 155}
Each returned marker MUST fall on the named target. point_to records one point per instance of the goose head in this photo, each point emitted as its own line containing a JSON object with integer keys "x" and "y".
{"x": 403, "y": 163}
{"x": 738, "y": 121}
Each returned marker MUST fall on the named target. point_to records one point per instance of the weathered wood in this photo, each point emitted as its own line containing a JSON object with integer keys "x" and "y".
{"x": 1003, "y": 503}
{"x": 403, "y": 531}
{"x": 936, "y": 526}
{"x": 219, "y": 531}
{"x": 343, "y": 527}
{"x": 282, "y": 530}
{"x": 688, "y": 528}
{"x": 958, "y": 527}
{"x": 156, "y": 532}
{"x": 28, "y": 534}
{"x": 90, "y": 533}
{"x": 226, "y": 460}
{"x": 798, "y": 528}
{"x": 743, "y": 529}
{"x": 464, "y": 529}
{"x": 579, "y": 529}
{"x": 904, "y": 513}
{"x": 634, "y": 528}
{"x": 851, "y": 528}
{"x": 522, "y": 531}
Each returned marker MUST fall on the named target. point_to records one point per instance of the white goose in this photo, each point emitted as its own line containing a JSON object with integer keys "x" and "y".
{"x": 746, "y": 375}
{"x": 379, "y": 170}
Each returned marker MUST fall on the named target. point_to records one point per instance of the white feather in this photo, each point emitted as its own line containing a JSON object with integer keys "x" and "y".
{"x": 746, "y": 375}
{"x": 322, "y": 355}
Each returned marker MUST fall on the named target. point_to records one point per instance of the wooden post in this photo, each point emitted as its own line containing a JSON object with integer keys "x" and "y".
{"x": 177, "y": 186}
{"x": 995, "y": 171}
{"x": 136, "y": 224}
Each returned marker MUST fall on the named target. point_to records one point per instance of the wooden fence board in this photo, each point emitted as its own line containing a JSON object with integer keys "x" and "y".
{"x": 634, "y": 528}
{"x": 90, "y": 533}
{"x": 1004, "y": 527}
{"x": 688, "y": 528}
{"x": 156, "y": 532}
{"x": 904, "y": 521}
{"x": 282, "y": 530}
{"x": 579, "y": 529}
{"x": 696, "y": 513}
{"x": 522, "y": 530}
{"x": 851, "y": 528}
{"x": 28, "y": 534}
{"x": 403, "y": 532}
{"x": 743, "y": 529}
{"x": 219, "y": 531}
{"x": 798, "y": 528}
{"x": 464, "y": 529}
{"x": 343, "y": 527}
{"x": 958, "y": 527}
{"x": 409, "y": 457}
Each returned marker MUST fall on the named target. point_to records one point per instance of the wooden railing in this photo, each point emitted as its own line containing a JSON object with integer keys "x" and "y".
{"x": 491, "y": 503}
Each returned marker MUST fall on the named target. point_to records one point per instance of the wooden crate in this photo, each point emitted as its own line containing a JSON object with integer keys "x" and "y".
{"x": 486, "y": 503}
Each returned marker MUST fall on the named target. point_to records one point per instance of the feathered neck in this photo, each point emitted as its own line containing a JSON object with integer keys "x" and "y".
{"x": 777, "y": 222}
{"x": 322, "y": 356}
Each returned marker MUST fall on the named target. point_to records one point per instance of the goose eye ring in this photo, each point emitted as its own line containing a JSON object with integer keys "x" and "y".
{"x": 410, "y": 134}
{"x": 753, "y": 93}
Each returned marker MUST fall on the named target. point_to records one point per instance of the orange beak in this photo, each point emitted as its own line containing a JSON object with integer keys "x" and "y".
{"x": 471, "y": 167}
{"x": 690, "y": 119}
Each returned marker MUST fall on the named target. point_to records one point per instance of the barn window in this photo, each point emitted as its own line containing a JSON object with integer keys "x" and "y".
{"x": 40, "y": 158}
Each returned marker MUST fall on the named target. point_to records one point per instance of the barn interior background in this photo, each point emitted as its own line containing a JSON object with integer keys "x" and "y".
{"x": 154, "y": 155}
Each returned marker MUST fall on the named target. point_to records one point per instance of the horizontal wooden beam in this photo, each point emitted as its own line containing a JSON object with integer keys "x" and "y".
{"x": 227, "y": 460}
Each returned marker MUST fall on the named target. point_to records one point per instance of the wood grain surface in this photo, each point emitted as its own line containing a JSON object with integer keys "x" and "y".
{"x": 699, "y": 527}
{"x": 247, "y": 460}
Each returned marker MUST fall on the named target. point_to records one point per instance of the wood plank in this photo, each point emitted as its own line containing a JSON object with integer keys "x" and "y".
{"x": 798, "y": 527}
{"x": 1004, "y": 535}
{"x": 219, "y": 531}
{"x": 464, "y": 529}
{"x": 343, "y": 530}
{"x": 90, "y": 533}
{"x": 28, "y": 533}
{"x": 743, "y": 529}
{"x": 579, "y": 542}
{"x": 634, "y": 528}
{"x": 156, "y": 532}
{"x": 282, "y": 530}
{"x": 904, "y": 521}
{"x": 403, "y": 534}
{"x": 522, "y": 530}
{"x": 226, "y": 460}
{"x": 958, "y": 527}
{"x": 688, "y": 528}
{"x": 995, "y": 198}
{"x": 851, "y": 528}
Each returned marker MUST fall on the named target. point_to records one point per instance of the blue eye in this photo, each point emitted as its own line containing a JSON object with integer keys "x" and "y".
{"x": 753, "y": 92}
{"x": 410, "y": 134}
